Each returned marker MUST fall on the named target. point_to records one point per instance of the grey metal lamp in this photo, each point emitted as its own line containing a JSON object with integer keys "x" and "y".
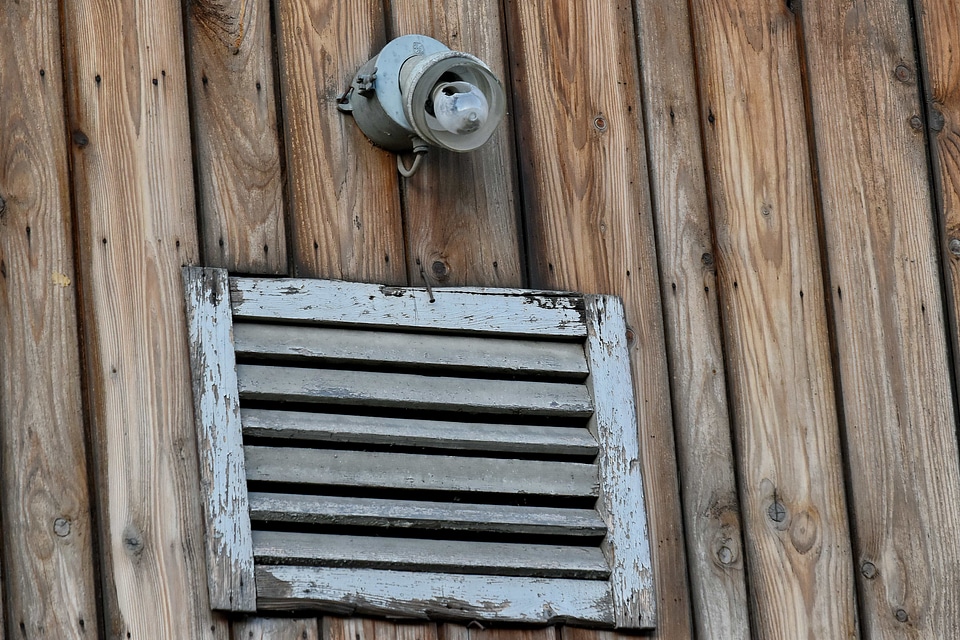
{"x": 417, "y": 92}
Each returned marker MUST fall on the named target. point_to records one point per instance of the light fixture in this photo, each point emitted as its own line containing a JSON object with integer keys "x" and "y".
{"x": 417, "y": 92}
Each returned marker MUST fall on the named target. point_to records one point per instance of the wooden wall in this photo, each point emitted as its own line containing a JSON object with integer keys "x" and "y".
{"x": 772, "y": 187}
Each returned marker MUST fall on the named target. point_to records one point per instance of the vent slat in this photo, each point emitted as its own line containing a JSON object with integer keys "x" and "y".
{"x": 450, "y": 556}
{"x": 465, "y": 436}
{"x": 424, "y": 472}
{"x": 506, "y": 312}
{"x": 424, "y": 351}
{"x": 409, "y": 514}
{"x": 412, "y": 391}
{"x": 444, "y": 596}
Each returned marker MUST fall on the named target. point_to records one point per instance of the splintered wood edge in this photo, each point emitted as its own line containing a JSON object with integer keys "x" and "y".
{"x": 509, "y": 312}
{"x": 439, "y": 596}
{"x": 230, "y": 569}
{"x": 621, "y": 502}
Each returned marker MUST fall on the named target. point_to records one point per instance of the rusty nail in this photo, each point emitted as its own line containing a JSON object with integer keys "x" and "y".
{"x": 61, "y": 526}
{"x": 901, "y": 615}
{"x": 954, "y": 246}
{"x": 903, "y": 73}
{"x": 916, "y": 123}
{"x": 868, "y": 570}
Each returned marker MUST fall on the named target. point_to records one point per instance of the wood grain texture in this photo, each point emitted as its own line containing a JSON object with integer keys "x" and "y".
{"x": 219, "y": 434}
{"x": 344, "y": 200}
{"x": 408, "y": 432}
{"x": 47, "y": 537}
{"x": 701, "y": 417}
{"x": 408, "y": 391}
{"x": 414, "y": 471}
{"x": 512, "y": 312}
{"x": 422, "y": 351}
{"x": 584, "y": 183}
{"x": 461, "y": 210}
{"x": 937, "y": 24}
{"x": 134, "y": 202}
{"x": 892, "y": 336}
{"x": 366, "y": 629}
{"x": 418, "y": 514}
{"x": 440, "y": 596}
{"x": 276, "y": 629}
{"x": 442, "y": 556}
{"x": 781, "y": 388}
{"x": 236, "y": 143}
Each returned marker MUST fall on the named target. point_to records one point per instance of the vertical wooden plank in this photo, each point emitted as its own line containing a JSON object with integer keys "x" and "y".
{"x": 367, "y": 629}
{"x": 235, "y": 132}
{"x": 621, "y": 501}
{"x": 888, "y": 308}
{"x": 344, "y": 200}
{"x": 47, "y": 538}
{"x": 276, "y": 629}
{"x": 216, "y": 402}
{"x": 938, "y": 23}
{"x": 588, "y": 216}
{"x": 688, "y": 281}
{"x": 791, "y": 478}
{"x": 134, "y": 203}
{"x": 460, "y": 209}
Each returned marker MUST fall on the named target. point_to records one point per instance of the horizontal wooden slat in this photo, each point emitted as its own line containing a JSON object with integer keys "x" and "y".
{"x": 504, "y": 311}
{"x": 443, "y": 596}
{"x": 412, "y": 514}
{"x": 513, "y": 438}
{"x": 462, "y": 353}
{"x": 412, "y": 471}
{"x": 442, "y": 556}
{"x": 407, "y": 391}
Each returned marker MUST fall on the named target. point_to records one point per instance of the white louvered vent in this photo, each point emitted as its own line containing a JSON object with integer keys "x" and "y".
{"x": 468, "y": 454}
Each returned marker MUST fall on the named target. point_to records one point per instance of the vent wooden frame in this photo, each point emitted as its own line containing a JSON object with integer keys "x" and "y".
{"x": 466, "y": 455}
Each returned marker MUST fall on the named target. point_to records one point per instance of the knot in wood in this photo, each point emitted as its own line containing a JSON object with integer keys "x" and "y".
{"x": 916, "y": 123}
{"x": 600, "y": 123}
{"x": 132, "y": 540}
{"x": 901, "y": 615}
{"x": 440, "y": 269}
{"x": 903, "y": 73}
{"x": 61, "y": 527}
{"x": 954, "y": 245}
{"x": 80, "y": 138}
{"x": 777, "y": 512}
{"x": 868, "y": 570}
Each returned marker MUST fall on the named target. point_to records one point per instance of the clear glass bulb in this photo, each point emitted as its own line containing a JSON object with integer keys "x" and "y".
{"x": 460, "y": 107}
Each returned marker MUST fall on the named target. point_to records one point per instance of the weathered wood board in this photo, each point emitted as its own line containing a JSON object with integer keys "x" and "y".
{"x": 234, "y": 117}
{"x": 891, "y": 333}
{"x": 424, "y": 595}
{"x": 410, "y": 514}
{"x": 547, "y": 313}
{"x": 585, "y": 194}
{"x": 937, "y": 25}
{"x": 688, "y": 285}
{"x": 134, "y": 203}
{"x": 421, "y": 351}
{"x": 276, "y": 629}
{"x": 219, "y": 434}
{"x": 409, "y": 432}
{"x": 343, "y": 196}
{"x": 454, "y": 557}
{"x": 797, "y": 540}
{"x": 461, "y": 213}
{"x": 416, "y": 471}
{"x": 47, "y": 538}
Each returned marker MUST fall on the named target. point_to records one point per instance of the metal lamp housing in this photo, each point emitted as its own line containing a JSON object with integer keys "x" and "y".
{"x": 392, "y": 96}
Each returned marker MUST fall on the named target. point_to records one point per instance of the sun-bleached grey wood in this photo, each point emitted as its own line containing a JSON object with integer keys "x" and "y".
{"x": 444, "y": 596}
{"x": 621, "y": 502}
{"x": 441, "y": 556}
{"x": 216, "y": 410}
{"x": 424, "y": 351}
{"x": 414, "y": 471}
{"x": 437, "y": 434}
{"x": 417, "y": 514}
{"x": 408, "y": 391}
{"x": 502, "y": 311}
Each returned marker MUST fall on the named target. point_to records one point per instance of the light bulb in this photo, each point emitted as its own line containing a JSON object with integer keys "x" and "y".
{"x": 460, "y": 107}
